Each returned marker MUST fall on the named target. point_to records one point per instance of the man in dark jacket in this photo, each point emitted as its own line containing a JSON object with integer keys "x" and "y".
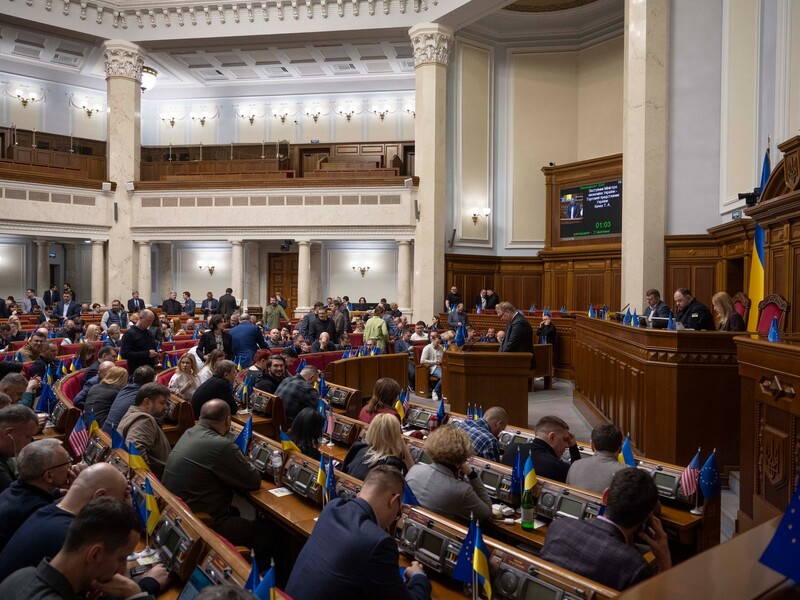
{"x": 246, "y": 339}
{"x": 171, "y": 306}
{"x": 219, "y": 386}
{"x": 350, "y": 554}
{"x": 227, "y": 304}
{"x": 47, "y": 359}
{"x": 322, "y": 324}
{"x": 552, "y": 438}
{"x": 692, "y": 313}
{"x": 138, "y": 344}
{"x": 276, "y": 373}
{"x": 519, "y": 333}
{"x": 205, "y": 468}
{"x": 298, "y": 392}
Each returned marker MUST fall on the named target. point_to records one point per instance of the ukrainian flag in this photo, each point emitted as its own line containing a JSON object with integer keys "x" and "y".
{"x": 530, "y": 473}
{"x": 93, "y": 426}
{"x": 756, "y": 287}
{"x": 626, "y": 456}
{"x": 153, "y": 514}
{"x": 288, "y": 445}
{"x": 135, "y": 460}
{"x": 480, "y": 563}
{"x": 322, "y": 478}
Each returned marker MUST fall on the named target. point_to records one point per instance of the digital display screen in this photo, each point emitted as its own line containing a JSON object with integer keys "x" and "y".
{"x": 571, "y": 508}
{"x": 422, "y": 419}
{"x": 664, "y": 480}
{"x": 536, "y": 590}
{"x": 259, "y": 455}
{"x": 519, "y": 439}
{"x": 303, "y": 477}
{"x": 197, "y": 581}
{"x": 490, "y": 479}
{"x": 172, "y": 541}
{"x": 432, "y": 544}
{"x": 591, "y": 210}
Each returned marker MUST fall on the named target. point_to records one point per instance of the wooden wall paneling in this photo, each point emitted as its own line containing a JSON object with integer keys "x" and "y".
{"x": 283, "y": 269}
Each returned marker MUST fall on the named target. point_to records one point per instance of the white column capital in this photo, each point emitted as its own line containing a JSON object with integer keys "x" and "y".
{"x": 431, "y": 43}
{"x": 98, "y": 242}
{"x": 123, "y": 59}
{"x": 305, "y": 243}
{"x": 143, "y": 243}
{"x": 403, "y": 242}
{"x": 41, "y": 243}
{"x": 236, "y": 242}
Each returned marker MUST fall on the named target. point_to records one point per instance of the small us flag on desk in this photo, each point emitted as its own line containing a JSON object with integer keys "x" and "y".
{"x": 783, "y": 553}
{"x": 689, "y": 476}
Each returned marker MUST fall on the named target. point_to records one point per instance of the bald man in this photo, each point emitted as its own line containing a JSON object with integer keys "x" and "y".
{"x": 43, "y": 533}
{"x": 205, "y": 468}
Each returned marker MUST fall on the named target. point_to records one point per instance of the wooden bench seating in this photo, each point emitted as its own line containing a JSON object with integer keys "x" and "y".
{"x": 345, "y": 173}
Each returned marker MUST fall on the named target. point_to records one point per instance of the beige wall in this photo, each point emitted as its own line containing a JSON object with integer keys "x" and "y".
{"x": 600, "y": 86}
{"x": 564, "y": 107}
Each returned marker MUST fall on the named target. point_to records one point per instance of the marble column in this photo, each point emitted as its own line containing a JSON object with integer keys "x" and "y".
{"x": 404, "y": 276}
{"x": 98, "y": 283}
{"x": 644, "y": 146}
{"x": 42, "y": 266}
{"x": 303, "y": 277}
{"x": 431, "y": 44}
{"x": 316, "y": 274}
{"x": 123, "y": 63}
{"x": 237, "y": 269}
{"x": 165, "y": 274}
{"x": 145, "y": 273}
{"x": 253, "y": 277}
{"x": 70, "y": 262}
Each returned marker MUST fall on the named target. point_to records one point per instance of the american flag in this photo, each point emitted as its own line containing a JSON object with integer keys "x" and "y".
{"x": 79, "y": 438}
{"x": 689, "y": 476}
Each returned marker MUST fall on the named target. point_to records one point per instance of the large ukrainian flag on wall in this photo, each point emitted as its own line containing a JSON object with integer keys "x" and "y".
{"x": 756, "y": 287}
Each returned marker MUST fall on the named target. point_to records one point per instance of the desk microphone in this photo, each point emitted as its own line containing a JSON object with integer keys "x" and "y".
{"x": 624, "y": 307}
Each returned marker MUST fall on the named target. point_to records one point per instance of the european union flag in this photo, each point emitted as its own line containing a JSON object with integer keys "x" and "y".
{"x": 516, "y": 476}
{"x": 300, "y": 366}
{"x": 626, "y": 320}
{"x": 196, "y": 334}
{"x": 709, "y": 480}
{"x": 139, "y": 506}
{"x": 440, "y": 412}
{"x": 774, "y": 334}
{"x": 254, "y": 579}
{"x": 409, "y": 497}
{"x": 781, "y": 553}
{"x": 266, "y": 589}
{"x": 671, "y": 322}
{"x": 47, "y": 399}
{"x": 463, "y": 569}
{"x": 460, "y": 338}
{"x": 635, "y": 319}
{"x": 591, "y": 311}
{"x": 346, "y": 353}
{"x": 330, "y": 481}
{"x": 245, "y": 435}
{"x": 533, "y": 308}
{"x": 626, "y": 456}
{"x": 323, "y": 387}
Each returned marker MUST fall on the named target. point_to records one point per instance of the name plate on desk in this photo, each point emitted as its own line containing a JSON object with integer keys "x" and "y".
{"x": 428, "y": 540}
{"x": 300, "y": 474}
{"x": 557, "y": 501}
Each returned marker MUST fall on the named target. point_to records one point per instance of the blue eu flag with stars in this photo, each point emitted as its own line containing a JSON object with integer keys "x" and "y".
{"x": 463, "y": 569}
{"x": 709, "y": 480}
{"x": 781, "y": 554}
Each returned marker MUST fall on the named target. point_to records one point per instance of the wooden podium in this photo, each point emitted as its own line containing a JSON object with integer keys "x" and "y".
{"x": 488, "y": 379}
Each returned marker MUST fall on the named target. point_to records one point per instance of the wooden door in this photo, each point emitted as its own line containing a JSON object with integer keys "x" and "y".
{"x": 283, "y": 278}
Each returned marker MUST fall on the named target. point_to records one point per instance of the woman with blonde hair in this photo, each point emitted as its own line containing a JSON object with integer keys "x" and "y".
{"x": 448, "y": 485}
{"x": 212, "y": 358}
{"x": 185, "y": 381}
{"x": 92, "y": 333}
{"x": 102, "y": 395}
{"x": 384, "y": 445}
{"x": 729, "y": 319}
{"x": 384, "y": 397}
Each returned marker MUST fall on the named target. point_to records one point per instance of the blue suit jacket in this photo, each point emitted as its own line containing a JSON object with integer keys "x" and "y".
{"x": 349, "y": 556}
{"x": 209, "y": 307}
{"x": 246, "y": 339}
{"x": 73, "y": 310}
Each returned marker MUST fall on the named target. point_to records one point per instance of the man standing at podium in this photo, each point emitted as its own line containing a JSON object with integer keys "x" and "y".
{"x": 519, "y": 333}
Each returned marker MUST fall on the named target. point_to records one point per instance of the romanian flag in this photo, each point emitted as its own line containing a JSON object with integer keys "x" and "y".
{"x": 480, "y": 563}
{"x": 626, "y": 455}
{"x": 288, "y": 445}
{"x": 530, "y": 473}
{"x": 756, "y": 287}
{"x": 151, "y": 506}
{"x": 135, "y": 460}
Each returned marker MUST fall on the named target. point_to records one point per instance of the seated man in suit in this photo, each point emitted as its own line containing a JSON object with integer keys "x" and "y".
{"x": 298, "y": 392}
{"x": 351, "y": 555}
{"x": 65, "y": 310}
{"x": 656, "y": 307}
{"x": 602, "y": 549}
{"x": 692, "y": 313}
{"x": 595, "y": 473}
{"x": 205, "y": 468}
{"x": 552, "y": 438}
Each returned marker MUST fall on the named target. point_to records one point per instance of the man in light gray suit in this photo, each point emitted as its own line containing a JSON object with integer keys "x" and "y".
{"x": 595, "y": 473}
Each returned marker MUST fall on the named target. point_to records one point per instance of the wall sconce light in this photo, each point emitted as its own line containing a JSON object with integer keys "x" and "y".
{"x": 91, "y": 110}
{"x": 204, "y": 116}
{"x": 380, "y": 111}
{"x": 348, "y": 113}
{"x": 251, "y": 117}
{"x": 282, "y": 116}
{"x": 209, "y": 268}
{"x": 409, "y": 108}
{"x": 363, "y": 270}
{"x": 168, "y": 119}
{"x": 479, "y": 212}
{"x": 149, "y": 77}
{"x": 201, "y": 118}
{"x": 313, "y": 114}
{"x": 25, "y": 96}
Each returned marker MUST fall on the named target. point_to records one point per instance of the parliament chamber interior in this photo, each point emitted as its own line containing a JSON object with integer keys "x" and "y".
{"x": 400, "y": 299}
